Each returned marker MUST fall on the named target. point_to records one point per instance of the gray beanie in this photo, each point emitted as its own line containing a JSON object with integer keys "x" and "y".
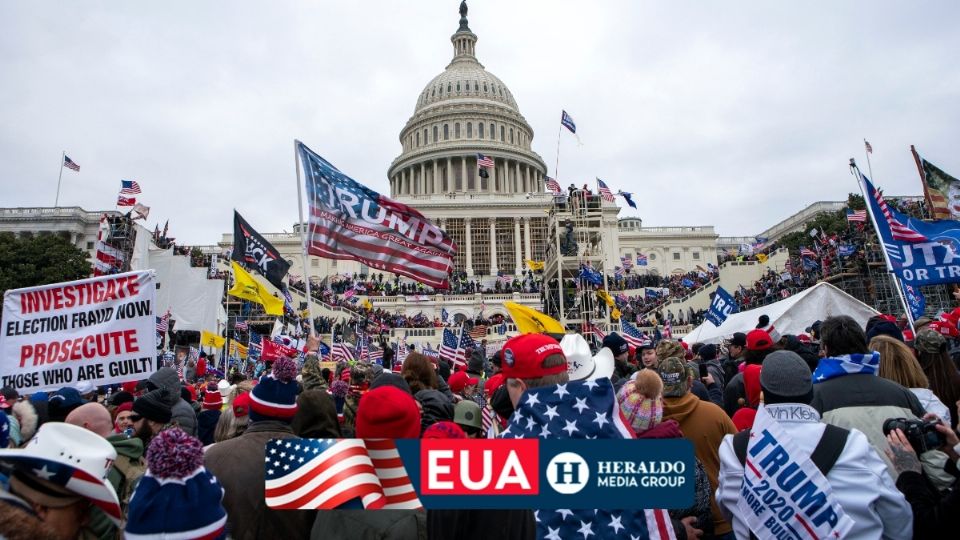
{"x": 785, "y": 378}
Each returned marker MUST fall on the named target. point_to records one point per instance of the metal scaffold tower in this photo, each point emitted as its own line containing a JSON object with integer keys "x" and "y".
{"x": 574, "y": 234}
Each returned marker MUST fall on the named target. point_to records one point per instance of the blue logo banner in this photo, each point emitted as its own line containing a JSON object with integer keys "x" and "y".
{"x": 721, "y": 307}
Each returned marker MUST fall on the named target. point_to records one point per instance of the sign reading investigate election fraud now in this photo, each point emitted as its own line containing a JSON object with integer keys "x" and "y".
{"x": 326, "y": 474}
{"x": 100, "y": 330}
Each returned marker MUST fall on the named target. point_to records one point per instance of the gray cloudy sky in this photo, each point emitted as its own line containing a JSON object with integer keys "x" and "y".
{"x": 735, "y": 114}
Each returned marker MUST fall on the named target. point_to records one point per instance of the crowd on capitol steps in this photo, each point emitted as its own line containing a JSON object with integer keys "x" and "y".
{"x": 874, "y": 407}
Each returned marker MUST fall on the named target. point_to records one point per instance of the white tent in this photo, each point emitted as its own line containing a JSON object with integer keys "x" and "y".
{"x": 789, "y": 316}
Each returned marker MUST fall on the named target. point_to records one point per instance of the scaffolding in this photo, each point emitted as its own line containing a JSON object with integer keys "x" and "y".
{"x": 121, "y": 236}
{"x": 575, "y": 241}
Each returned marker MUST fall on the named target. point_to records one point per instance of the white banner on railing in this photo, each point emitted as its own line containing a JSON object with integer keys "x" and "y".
{"x": 100, "y": 330}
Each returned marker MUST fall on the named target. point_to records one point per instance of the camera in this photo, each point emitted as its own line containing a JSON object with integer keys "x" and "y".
{"x": 922, "y": 436}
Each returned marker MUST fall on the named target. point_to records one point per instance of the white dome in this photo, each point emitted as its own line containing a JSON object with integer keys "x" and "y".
{"x": 465, "y": 79}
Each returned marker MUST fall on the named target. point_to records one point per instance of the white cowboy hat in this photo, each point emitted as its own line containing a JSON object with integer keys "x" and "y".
{"x": 582, "y": 365}
{"x": 73, "y": 458}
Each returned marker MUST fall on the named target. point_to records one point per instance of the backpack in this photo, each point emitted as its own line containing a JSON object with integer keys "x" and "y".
{"x": 824, "y": 456}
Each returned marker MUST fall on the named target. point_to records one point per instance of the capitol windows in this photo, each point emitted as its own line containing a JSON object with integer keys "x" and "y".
{"x": 446, "y": 132}
{"x": 476, "y": 86}
{"x": 435, "y": 133}
{"x": 502, "y": 132}
{"x": 433, "y": 92}
{"x": 511, "y": 135}
{"x": 493, "y": 132}
{"x": 480, "y": 128}
{"x": 696, "y": 255}
{"x": 449, "y": 88}
{"x": 424, "y": 135}
{"x": 676, "y": 256}
{"x": 418, "y": 138}
{"x": 456, "y": 130}
{"x": 458, "y": 86}
{"x": 469, "y": 130}
{"x": 484, "y": 88}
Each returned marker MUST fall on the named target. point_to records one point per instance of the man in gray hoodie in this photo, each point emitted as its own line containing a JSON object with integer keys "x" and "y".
{"x": 183, "y": 413}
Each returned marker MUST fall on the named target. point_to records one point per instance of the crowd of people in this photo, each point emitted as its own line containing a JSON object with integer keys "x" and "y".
{"x": 180, "y": 453}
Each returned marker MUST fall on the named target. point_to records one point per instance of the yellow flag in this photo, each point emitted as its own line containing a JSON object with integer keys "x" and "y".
{"x": 248, "y": 288}
{"x": 209, "y": 339}
{"x": 603, "y": 295}
{"x": 367, "y": 305}
{"x": 531, "y": 321}
{"x": 535, "y": 265}
{"x": 615, "y": 314}
{"x": 237, "y": 349}
{"x": 762, "y": 258}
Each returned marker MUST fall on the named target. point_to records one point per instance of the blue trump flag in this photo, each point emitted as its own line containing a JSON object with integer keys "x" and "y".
{"x": 915, "y": 300}
{"x": 919, "y": 252}
{"x": 591, "y": 275}
{"x": 721, "y": 307}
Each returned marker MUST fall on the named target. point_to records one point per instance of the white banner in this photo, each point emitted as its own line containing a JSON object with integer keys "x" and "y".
{"x": 784, "y": 495}
{"x": 102, "y": 330}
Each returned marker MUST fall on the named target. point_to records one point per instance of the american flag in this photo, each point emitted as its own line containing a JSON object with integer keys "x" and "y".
{"x": 129, "y": 187}
{"x": 241, "y": 325}
{"x": 627, "y": 261}
{"x": 484, "y": 161}
{"x": 667, "y": 330}
{"x": 898, "y": 230}
{"x": 479, "y": 331}
{"x": 342, "y": 350}
{"x": 451, "y": 348}
{"x": 605, "y": 192}
{"x": 641, "y": 259}
{"x": 582, "y": 410}
{"x": 788, "y": 267}
{"x": 323, "y": 474}
{"x": 632, "y": 334}
{"x": 163, "y": 323}
{"x": 868, "y": 146}
{"x": 386, "y": 235}
{"x": 503, "y": 278}
{"x": 375, "y": 355}
{"x": 618, "y": 272}
{"x": 806, "y": 252}
{"x": 126, "y": 201}
{"x": 254, "y": 346}
{"x": 856, "y": 215}
{"x": 553, "y": 186}
{"x": 68, "y": 163}
{"x": 401, "y": 355}
{"x": 488, "y": 418}
{"x": 591, "y": 328}
{"x": 108, "y": 259}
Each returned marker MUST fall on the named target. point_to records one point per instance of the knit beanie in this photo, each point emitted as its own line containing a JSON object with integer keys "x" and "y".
{"x": 743, "y": 418}
{"x": 641, "y": 410}
{"x": 387, "y": 413}
{"x": 177, "y": 497}
{"x": 444, "y": 430}
{"x": 241, "y": 405}
{"x": 785, "y": 378}
{"x": 275, "y": 396}
{"x": 153, "y": 406}
{"x": 120, "y": 398}
{"x": 391, "y": 379}
{"x": 212, "y": 400}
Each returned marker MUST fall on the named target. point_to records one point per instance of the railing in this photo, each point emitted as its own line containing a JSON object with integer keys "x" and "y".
{"x": 59, "y": 211}
{"x": 705, "y": 229}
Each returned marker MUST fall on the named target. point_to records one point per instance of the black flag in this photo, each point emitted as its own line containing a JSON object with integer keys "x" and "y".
{"x": 253, "y": 251}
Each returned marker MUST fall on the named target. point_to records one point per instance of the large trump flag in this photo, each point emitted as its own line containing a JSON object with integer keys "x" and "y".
{"x": 351, "y": 221}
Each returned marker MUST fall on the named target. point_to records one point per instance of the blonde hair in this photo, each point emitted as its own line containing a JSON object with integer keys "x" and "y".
{"x": 649, "y": 383}
{"x": 898, "y": 363}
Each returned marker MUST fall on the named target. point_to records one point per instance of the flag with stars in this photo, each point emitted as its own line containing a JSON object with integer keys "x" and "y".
{"x": 324, "y": 474}
{"x": 350, "y": 221}
{"x": 582, "y": 410}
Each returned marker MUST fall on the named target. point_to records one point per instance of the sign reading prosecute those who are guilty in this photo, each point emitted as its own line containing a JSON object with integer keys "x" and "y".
{"x": 101, "y": 330}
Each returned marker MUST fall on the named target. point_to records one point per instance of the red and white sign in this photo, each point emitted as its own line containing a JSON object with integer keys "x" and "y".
{"x": 273, "y": 351}
{"x": 100, "y": 330}
{"x": 483, "y": 467}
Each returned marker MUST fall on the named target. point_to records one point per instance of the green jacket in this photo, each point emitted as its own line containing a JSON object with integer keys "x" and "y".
{"x": 124, "y": 475}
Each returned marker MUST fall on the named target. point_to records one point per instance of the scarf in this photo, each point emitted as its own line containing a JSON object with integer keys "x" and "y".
{"x": 847, "y": 364}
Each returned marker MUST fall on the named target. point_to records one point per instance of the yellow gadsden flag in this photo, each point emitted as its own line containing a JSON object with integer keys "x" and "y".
{"x": 535, "y": 265}
{"x": 762, "y": 257}
{"x": 248, "y": 288}
{"x": 531, "y": 321}
{"x": 209, "y": 339}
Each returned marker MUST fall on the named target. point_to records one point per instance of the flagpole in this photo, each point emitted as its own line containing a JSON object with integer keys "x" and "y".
{"x": 556, "y": 167}
{"x": 886, "y": 257}
{"x": 303, "y": 237}
{"x": 63, "y": 155}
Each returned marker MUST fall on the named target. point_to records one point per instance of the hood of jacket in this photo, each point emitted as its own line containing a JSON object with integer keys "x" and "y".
{"x": 316, "y": 416}
{"x": 679, "y": 408}
{"x": 128, "y": 447}
{"x": 669, "y": 429}
{"x": 166, "y": 377}
{"x": 436, "y": 407}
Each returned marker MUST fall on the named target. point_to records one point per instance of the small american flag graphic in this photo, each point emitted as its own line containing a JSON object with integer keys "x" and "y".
{"x": 479, "y": 331}
{"x": 484, "y": 162}
{"x": 605, "y": 192}
{"x": 451, "y": 349}
{"x": 856, "y": 215}
{"x": 68, "y": 163}
{"x": 324, "y": 474}
{"x": 129, "y": 187}
{"x": 807, "y": 252}
{"x": 553, "y": 186}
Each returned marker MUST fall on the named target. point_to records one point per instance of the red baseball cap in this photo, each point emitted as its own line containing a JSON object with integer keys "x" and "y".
{"x": 759, "y": 340}
{"x": 460, "y": 380}
{"x": 523, "y": 357}
{"x": 492, "y": 384}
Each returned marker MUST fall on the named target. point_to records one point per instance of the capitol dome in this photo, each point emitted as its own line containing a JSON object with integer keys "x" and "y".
{"x": 463, "y": 113}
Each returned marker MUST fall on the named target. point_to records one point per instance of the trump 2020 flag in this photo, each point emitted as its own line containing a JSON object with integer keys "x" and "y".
{"x": 350, "y": 221}
{"x": 721, "y": 307}
{"x": 253, "y": 251}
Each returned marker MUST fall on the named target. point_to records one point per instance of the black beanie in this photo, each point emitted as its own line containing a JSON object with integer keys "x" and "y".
{"x": 152, "y": 406}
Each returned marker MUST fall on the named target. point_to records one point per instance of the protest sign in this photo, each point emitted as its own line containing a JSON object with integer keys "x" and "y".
{"x": 100, "y": 330}
{"x": 721, "y": 307}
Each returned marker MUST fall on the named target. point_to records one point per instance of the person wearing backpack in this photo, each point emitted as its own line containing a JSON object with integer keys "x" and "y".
{"x": 857, "y": 476}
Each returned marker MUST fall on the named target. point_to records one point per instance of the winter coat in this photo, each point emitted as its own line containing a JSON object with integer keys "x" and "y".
{"x": 481, "y": 524}
{"x": 733, "y": 393}
{"x": 238, "y": 464}
{"x": 859, "y": 480}
{"x": 316, "y": 416}
{"x": 934, "y": 513}
{"x": 18, "y": 522}
{"x": 183, "y": 413}
{"x": 370, "y": 525}
{"x": 932, "y": 404}
{"x": 206, "y": 425}
{"x": 436, "y": 408}
{"x": 704, "y": 424}
{"x": 312, "y": 374}
{"x": 701, "y": 491}
{"x": 123, "y": 475}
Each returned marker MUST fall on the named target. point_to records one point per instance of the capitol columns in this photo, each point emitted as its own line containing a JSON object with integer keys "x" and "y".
{"x": 493, "y": 247}
{"x": 463, "y": 172}
{"x": 450, "y": 174}
{"x": 469, "y": 233}
{"x": 435, "y": 182}
{"x": 423, "y": 177}
{"x": 516, "y": 241}
{"x": 526, "y": 238}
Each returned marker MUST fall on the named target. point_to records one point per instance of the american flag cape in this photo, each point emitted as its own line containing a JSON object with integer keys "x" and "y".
{"x": 324, "y": 474}
{"x": 582, "y": 410}
{"x": 352, "y": 222}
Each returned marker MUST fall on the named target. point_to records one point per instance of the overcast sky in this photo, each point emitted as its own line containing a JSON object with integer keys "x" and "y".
{"x": 735, "y": 114}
